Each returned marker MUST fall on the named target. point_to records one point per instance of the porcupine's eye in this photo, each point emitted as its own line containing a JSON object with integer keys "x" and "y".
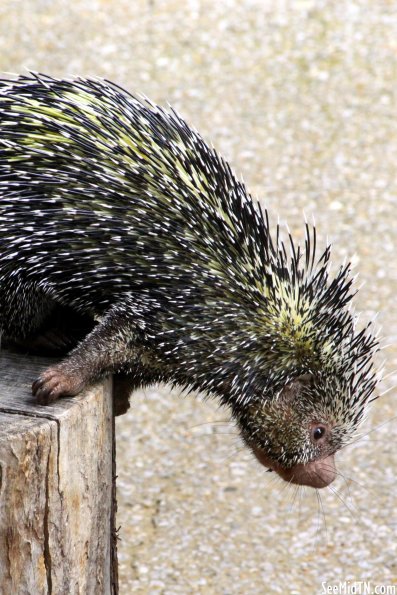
{"x": 318, "y": 432}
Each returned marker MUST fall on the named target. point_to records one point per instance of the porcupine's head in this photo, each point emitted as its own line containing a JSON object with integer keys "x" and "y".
{"x": 313, "y": 373}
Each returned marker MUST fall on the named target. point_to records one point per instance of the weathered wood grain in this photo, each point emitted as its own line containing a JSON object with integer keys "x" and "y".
{"x": 56, "y": 497}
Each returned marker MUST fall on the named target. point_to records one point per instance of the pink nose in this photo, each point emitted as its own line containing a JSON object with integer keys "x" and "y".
{"x": 316, "y": 474}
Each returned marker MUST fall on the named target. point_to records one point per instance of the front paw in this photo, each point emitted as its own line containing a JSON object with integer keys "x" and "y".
{"x": 55, "y": 382}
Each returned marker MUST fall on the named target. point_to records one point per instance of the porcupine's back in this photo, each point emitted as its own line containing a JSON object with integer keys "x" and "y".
{"x": 104, "y": 194}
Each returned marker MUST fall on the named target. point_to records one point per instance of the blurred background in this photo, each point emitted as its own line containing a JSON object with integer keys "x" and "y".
{"x": 300, "y": 97}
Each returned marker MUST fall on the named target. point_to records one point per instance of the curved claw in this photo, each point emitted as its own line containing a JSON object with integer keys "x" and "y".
{"x": 54, "y": 383}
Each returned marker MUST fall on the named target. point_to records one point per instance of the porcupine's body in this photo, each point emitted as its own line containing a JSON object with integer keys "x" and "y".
{"x": 116, "y": 210}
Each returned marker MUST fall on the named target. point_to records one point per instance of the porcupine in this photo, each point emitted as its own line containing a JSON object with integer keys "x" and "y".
{"x": 116, "y": 211}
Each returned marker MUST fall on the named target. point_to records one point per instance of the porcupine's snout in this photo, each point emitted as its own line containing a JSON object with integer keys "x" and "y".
{"x": 316, "y": 474}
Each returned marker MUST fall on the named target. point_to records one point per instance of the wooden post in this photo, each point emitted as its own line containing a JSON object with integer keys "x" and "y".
{"x": 57, "y": 498}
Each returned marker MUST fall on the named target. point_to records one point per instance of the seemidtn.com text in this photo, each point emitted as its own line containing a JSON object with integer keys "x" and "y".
{"x": 357, "y": 588}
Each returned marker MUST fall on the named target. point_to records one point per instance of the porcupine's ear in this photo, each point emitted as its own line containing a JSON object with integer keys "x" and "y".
{"x": 294, "y": 389}
{"x": 305, "y": 379}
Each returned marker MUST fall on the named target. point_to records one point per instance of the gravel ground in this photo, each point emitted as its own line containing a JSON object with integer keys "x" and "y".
{"x": 300, "y": 96}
